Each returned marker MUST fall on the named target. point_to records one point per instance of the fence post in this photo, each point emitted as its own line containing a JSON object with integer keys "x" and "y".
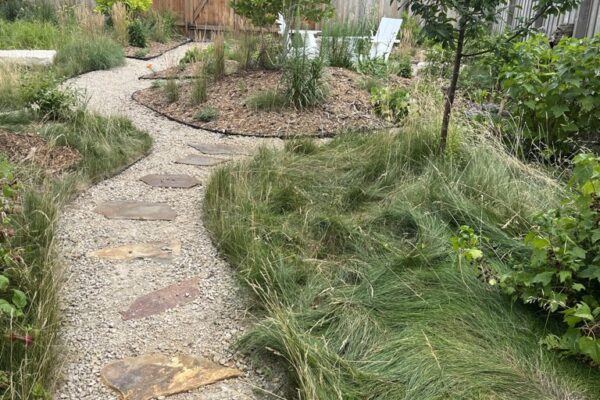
{"x": 583, "y": 19}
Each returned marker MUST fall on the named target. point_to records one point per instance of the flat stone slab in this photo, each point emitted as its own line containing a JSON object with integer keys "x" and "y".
{"x": 140, "y": 210}
{"x": 27, "y": 57}
{"x": 153, "y": 375}
{"x": 170, "y": 181}
{"x": 159, "y": 250}
{"x": 200, "y": 161}
{"x": 163, "y": 299}
{"x": 218, "y": 148}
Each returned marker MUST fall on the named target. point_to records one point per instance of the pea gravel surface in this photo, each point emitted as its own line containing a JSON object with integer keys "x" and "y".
{"x": 93, "y": 332}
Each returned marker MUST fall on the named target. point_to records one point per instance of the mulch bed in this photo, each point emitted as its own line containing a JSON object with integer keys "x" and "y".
{"x": 347, "y": 107}
{"x": 189, "y": 71}
{"x": 29, "y": 147}
{"x": 154, "y": 49}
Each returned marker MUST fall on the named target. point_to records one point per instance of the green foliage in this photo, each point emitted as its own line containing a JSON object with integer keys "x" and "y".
{"x": 554, "y": 91}
{"x": 339, "y": 44}
{"x": 347, "y": 248}
{"x": 303, "y": 80}
{"x": 374, "y": 67}
{"x": 199, "y": 90}
{"x": 137, "y": 33}
{"x": 439, "y": 61}
{"x": 390, "y": 104}
{"x": 30, "y": 35}
{"x": 47, "y": 100}
{"x": 104, "y": 6}
{"x": 401, "y": 66}
{"x": 207, "y": 114}
{"x": 267, "y": 100}
{"x": 191, "y": 56}
{"x": 264, "y": 13}
{"x": 171, "y": 90}
{"x": 562, "y": 274}
{"x": 160, "y": 25}
{"x": 84, "y": 54}
{"x": 30, "y": 10}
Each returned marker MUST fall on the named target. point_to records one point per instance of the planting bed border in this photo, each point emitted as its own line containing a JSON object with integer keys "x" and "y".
{"x": 184, "y": 40}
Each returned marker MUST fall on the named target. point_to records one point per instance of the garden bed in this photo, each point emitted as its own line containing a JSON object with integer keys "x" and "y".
{"x": 154, "y": 49}
{"x": 347, "y": 107}
{"x": 31, "y": 148}
{"x": 188, "y": 71}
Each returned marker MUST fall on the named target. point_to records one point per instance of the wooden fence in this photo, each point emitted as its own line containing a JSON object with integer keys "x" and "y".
{"x": 202, "y": 16}
{"x": 585, "y": 18}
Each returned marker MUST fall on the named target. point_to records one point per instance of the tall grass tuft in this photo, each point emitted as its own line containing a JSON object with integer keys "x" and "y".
{"x": 347, "y": 247}
{"x": 118, "y": 16}
{"x": 303, "y": 80}
{"x": 86, "y": 53}
{"x": 199, "y": 89}
{"x": 217, "y": 64}
{"x": 90, "y": 22}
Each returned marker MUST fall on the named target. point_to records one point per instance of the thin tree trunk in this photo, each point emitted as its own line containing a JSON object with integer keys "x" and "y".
{"x": 452, "y": 89}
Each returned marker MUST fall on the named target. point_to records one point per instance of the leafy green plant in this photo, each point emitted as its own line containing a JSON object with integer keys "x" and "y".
{"x": 390, "y": 104}
{"x": 137, "y": 33}
{"x": 191, "y": 56}
{"x": 48, "y": 101}
{"x": 104, "y": 6}
{"x": 554, "y": 91}
{"x": 160, "y": 25}
{"x": 303, "y": 80}
{"x": 402, "y": 66}
{"x": 562, "y": 275}
{"x": 374, "y": 67}
{"x": 207, "y": 114}
{"x": 266, "y": 100}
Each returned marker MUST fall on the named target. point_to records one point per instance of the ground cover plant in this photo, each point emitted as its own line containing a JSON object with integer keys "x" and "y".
{"x": 348, "y": 248}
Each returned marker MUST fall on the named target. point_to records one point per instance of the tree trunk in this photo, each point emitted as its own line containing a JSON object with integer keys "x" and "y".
{"x": 452, "y": 89}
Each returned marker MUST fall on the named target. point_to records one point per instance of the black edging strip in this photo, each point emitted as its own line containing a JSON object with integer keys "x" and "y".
{"x": 226, "y": 132}
{"x": 186, "y": 41}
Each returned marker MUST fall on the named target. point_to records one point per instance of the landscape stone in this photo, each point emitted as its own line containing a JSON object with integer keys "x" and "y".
{"x": 200, "y": 161}
{"x": 217, "y": 148}
{"x": 140, "y": 210}
{"x": 27, "y": 57}
{"x": 151, "y": 376}
{"x": 161, "y": 250}
{"x": 163, "y": 299}
{"x": 170, "y": 181}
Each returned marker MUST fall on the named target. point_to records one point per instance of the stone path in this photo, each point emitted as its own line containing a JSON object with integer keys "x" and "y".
{"x": 144, "y": 280}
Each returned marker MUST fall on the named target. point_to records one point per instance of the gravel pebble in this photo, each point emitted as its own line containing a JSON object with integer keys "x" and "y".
{"x": 93, "y": 333}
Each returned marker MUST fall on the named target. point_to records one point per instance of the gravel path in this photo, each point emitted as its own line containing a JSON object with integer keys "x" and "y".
{"x": 96, "y": 290}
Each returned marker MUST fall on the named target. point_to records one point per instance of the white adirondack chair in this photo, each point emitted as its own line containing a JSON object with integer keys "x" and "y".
{"x": 385, "y": 38}
{"x": 308, "y": 37}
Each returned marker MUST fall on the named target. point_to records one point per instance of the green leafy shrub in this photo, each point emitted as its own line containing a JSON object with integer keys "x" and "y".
{"x": 390, "y": 104}
{"x": 562, "y": 274}
{"x": 104, "y": 6}
{"x": 402, "y": 66}
{"x": 84, "y": 54}
{"x": 191, "y": 56}
{"x": 47, "y": 100}
{"x": 137, "y": 33}
{"x": 439, "y": 61}
{"x": 554, "y": 91}
{"x": 207, "y": 114}
{"x": 266, "y": 100}
{"x": 161, "y": 25}
{"x": 303, "y": 79}
{"x": 374, "y": 67}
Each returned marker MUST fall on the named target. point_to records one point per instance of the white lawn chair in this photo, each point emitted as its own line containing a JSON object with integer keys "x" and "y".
{"x": 385, "y": 38}
{"x": 308, "y": 37}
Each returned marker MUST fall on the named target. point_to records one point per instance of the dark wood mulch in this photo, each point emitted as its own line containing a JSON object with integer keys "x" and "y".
{"x": 154, "y": 49}
{"x": 347, "y": 106}
{"x": 31, "y": 148}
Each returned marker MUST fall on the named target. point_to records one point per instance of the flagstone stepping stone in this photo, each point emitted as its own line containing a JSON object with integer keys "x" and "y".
{"x": 163, "y": 299}
{"x": 170, "y": 181}
{"x": 217, "y": 148}
{"x": 200, "y": 161}
{"x": 153, "y": 375}
{"x": 140, "y": 210}
{"x": 161, "y": 250}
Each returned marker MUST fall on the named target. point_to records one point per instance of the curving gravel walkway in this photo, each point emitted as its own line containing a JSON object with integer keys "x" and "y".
{"x": 96, "y": 289}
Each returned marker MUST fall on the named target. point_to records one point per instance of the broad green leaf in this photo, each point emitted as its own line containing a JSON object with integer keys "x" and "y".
{"x": 3, "y": 282}
{"x": 19, "y": 299}
{"x": 592, "y": 272}
{"x": 544, "y": 278}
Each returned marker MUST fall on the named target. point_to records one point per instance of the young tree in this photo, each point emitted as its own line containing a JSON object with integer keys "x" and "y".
{"x": 452, "y": 22}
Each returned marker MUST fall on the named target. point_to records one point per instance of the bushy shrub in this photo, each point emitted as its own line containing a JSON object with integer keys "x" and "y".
{"x": 402, "y": 66}
{"x": 207, "y": 114}
{"x": 563, "y": 273}
{"x": 83, "y": 54}
{"x": 554, "y": 91}
{"x": 390, "y": 104}
{"x": 104, "y": 6}
{"x": 303, "y": 79}
{"x": 191, "y": 56}
{"x": 374, "y": 67}
{"x": 43, "y": 95}
{"x": 439, "y": 61}
{"x": 137, "y": 33}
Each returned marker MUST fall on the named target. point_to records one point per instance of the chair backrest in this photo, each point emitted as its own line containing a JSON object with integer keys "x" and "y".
{"x": 383, "y": 42}
{"x": 281, "y": 22}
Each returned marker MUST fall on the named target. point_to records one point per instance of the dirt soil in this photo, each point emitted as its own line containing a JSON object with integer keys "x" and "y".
{"x": 347, "y": 106}
{"x": 29, "y": 147}
{"x": 154, "y": 49}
